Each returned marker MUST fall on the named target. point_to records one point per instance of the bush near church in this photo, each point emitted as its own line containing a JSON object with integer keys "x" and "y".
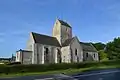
{"x": 8, "y": 69}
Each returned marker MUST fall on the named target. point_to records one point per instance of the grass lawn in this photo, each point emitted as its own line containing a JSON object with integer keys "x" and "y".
{"x": 68, "y": 71}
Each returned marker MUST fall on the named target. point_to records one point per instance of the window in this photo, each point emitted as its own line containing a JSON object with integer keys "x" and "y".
{"x": 46, "y": 50}
{"x": 46, "y": 55}
{"x": 66, "y": 29}
{"x": 94, "y": 55}
{"x": 76, "y": 52}
{"x": 56, "y": 23}
{"x": 58, "y": 56}
{"x": 86, "y": 54}
{"x": 64, "y": 59}
{"x": 17, "y": 55}
{"x": 68, "y": 35}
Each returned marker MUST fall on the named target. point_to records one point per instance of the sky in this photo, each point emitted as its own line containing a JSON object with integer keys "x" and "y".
{"x": 91, "y": 20}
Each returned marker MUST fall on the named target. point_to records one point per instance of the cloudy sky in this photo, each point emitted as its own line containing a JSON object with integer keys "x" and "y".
{"x": 91, "y": 20}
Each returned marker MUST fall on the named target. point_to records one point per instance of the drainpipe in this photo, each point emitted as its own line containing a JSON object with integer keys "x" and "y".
{"x": 22, "y": 57}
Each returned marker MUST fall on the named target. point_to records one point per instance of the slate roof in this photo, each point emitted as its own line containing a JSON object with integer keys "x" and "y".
{"x": 85, "y": 46}
{"x": 23, "y": 50}
{"x": 44, "y": 39}
{"x": 64, "y": 23}
{"x": 88, "y": 47}
{"x": 67, "y": 42}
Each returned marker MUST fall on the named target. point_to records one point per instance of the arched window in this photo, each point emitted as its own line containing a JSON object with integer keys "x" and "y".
{"x": 86, "y": 54}
{"x": 58, "y": 56}
{"x": 76, "y": 52}
{"x": 94, "y": 55}
{"x": 46, "y": 55}
{"x": 46, "y": 50}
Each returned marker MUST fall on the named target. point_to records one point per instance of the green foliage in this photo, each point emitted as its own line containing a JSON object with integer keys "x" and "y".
{"x": 113, "y": 49}
{"x": 99, "y": 46}
{"x": 8, "y": 69}
{"x": 102, "y": 55}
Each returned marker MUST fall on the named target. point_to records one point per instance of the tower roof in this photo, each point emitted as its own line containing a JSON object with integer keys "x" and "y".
{"x": 64, "y": 23}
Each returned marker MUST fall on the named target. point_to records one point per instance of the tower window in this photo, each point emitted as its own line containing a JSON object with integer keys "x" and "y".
{"x": 56, "y": 23}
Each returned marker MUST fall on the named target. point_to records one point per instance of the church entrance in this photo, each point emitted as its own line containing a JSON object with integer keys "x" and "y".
{"x": 58, "y": 56}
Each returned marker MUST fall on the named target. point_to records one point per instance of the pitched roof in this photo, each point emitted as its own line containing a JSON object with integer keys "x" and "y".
{"x": 67, "y": 42}
{"x": 64, "y": 23}
{"x": 44, "y": 39}
{"x": 23, "y": 50}
{"x": 85, "y": 46}
{"x": 88, "y": 47}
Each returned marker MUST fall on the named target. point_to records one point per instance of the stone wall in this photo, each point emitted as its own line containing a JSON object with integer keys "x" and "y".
{"x": 75, "y": 47}
{"x": 57, "y": 31}
{"x": 38, "y": 55}
{"x": 25, "y": 57}
{"x": 66, "y": 55}
{"x": 90, "y": 56}
{"x": 66, "y": 33}
{"x": 18, "y": 56}
{"x": 30, "y": 43}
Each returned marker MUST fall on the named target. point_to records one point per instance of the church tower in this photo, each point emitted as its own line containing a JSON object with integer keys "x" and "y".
{"x": 62, "y": 31}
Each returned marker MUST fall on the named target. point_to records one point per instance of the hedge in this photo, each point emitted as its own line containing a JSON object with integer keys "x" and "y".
{"x": 51, "y": 67}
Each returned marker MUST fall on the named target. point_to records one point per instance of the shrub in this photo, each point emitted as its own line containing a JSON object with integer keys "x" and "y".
{"x": 50, "y": 67}
{"x": 13, "y": 63}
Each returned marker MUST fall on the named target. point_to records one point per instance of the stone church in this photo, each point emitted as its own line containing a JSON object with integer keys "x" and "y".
{"x": 61, "y": 47}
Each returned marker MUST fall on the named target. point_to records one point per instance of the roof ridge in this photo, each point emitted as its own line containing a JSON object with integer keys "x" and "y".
{"x": 87, "y": 46}
{"x": 42, "y": 34}
{"x": 93, "y": 46}
{"x": 64, "y": 23}
{"x": 45, "y": 39}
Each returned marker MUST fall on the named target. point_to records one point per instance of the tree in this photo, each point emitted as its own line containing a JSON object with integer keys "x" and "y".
{"x": 102, "y": 55}
{"x": 113, "y": 49}
{"x": 99, "y": 46}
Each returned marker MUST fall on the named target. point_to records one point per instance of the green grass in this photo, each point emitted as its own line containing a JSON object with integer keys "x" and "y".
{"x": 67, "y": 71}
